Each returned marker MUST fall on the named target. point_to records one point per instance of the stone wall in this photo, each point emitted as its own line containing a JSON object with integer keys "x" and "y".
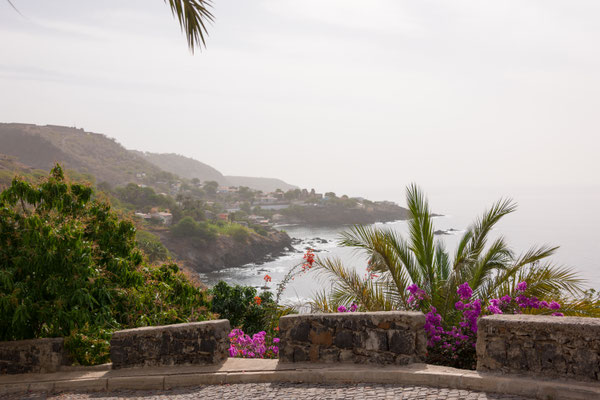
{"x": 567, "y": 347}
{"x": 35, "y": 355}
{"x": 375, "y": 337}
{"x": 182, "y": 344}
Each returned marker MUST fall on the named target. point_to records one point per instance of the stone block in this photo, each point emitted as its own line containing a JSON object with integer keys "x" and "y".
{"x": 544, "y": 346}
{"x": 196, "y": 343}
{"x": 364, "y": 338}
{"x": 32, "y": 356}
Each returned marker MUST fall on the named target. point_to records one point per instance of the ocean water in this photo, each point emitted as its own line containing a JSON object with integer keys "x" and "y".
{"x": 566, "y": 217}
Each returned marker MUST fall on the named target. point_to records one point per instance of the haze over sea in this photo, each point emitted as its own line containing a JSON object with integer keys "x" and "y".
{"x": 562, "y": 216}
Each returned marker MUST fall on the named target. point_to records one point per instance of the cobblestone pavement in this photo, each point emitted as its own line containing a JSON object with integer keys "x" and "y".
{"x": 280, "y": 391}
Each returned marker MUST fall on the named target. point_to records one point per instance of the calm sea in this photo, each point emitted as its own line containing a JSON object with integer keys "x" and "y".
{"x": 566, "y": 217}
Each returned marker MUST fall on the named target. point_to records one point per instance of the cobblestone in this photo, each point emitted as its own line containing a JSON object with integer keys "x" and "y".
{"x": 278, "y": 391}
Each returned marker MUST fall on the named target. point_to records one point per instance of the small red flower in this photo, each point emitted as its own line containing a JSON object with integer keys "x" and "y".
{"x": 267, "y": 278}
{"x": 257, "y": 300}
{"x": 310, "y": 259}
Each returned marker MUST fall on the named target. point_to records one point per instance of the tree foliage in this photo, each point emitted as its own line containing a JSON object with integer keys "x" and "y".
{"x": 67, "y": 261}
{"x": 238, "y": 304}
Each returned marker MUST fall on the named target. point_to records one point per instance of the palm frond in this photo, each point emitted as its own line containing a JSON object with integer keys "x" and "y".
{"x": 479, "y": 231}
{"x": 193, "y": 16}
{"x": 348, "y": 286}
{"x": 421, "y": 236}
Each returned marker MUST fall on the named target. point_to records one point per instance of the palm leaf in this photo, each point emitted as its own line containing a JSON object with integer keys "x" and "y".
{"x": 193, "y": 16}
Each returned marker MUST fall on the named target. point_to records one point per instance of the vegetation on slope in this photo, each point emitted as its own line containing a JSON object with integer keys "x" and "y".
{"x": 71, "y": 265}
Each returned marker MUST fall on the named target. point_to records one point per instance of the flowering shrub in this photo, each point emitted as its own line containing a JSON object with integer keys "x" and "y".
{"x": 353, "y": 308}
{"x": 455, "y": 345}
{"x": 309, "y": 258}
{"x": 243, "y": 306}
{"x": 257, "y": 346}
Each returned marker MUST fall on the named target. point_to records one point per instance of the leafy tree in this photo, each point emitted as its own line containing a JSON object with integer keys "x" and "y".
{"x": 210, "y": 187}
{"x": 238, "y": 304}
{"x": 143, "y": 198}
{"x": 188, "y": 227}
{"x": 492, "y": 270}
{"x": 69, "y": 262}
{"x": 151, "y": 246}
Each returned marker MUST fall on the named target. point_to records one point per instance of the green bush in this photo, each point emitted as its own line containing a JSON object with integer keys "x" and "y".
{"x": 69, "y": 262}
{"x": 89, "y": 346}
{"x": 188, "y": 227}
{"x": 152, "y": 247}
{"x": 238, "y": 305}
{"x": 239, "y": 233}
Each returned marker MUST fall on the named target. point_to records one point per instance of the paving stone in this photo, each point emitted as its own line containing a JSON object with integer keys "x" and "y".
{"x": 277, "y": 391}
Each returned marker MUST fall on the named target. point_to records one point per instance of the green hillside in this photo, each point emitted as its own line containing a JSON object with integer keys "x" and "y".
{"x": 265, "y": 184}
{"x": 42, "y": 147}
{"x": 184, "y": 166}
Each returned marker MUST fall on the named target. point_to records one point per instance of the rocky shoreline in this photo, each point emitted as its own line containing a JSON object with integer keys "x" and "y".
{"x": 224, "y": 252}
{"x": 335, "y": 216}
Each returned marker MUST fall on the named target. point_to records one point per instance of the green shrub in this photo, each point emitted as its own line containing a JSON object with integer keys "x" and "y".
{"x": 152, "y": 247}
{"x": 239, "y": 233}
{"x": 188, "y": 227}
{"x": 69, "y": 262}
{"x": 238, "y": 305}
{"x": 89, "y": 346}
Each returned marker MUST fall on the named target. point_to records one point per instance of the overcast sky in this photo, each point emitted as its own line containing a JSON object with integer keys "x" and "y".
{"x": 344, "y": 95}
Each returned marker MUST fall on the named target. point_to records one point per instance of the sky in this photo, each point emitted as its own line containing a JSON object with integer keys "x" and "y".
{"x": 356, "y": 97}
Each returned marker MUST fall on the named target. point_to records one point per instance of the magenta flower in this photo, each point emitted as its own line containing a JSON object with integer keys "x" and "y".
{"x": 342, "y": 309}
{"x": 522, "y": 286}
{"x": 554, "y": 305}
{"x": 494, "y": 309}
{"x": 464, "y": 291}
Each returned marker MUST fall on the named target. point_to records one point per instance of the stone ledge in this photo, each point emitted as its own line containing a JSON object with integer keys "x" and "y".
{"x": 33, "y": 355}
{"x": 545, "y": 346}
{"x": 260, "y": 371}
{"x": 180, "y": 344}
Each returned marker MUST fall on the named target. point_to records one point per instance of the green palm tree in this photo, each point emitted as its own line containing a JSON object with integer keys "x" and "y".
{"x": 491, "y": 269}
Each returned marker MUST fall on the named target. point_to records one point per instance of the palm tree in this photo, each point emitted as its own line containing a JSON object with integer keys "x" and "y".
{"x": 491, "y": 270}
{"x": 193, "y": 16}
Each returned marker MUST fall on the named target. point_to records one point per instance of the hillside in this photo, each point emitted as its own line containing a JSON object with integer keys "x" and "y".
{"x": 184, "y": 166}
{"x": 42, "y": 146}
{"x": 265, "y": 184}
{"x": 190, "y": 168}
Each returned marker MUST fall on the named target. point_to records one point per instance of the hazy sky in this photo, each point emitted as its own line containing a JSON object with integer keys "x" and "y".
{"x": 347, "y": 95}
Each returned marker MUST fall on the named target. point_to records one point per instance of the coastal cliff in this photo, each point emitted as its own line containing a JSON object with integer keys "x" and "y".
{"x": 224, "y": 252}
{"x": 335, "y": 215}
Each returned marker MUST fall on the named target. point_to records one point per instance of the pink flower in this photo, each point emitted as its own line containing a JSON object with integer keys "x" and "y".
{"x": 464, "y": 291}
{"x": 522, "y": 286}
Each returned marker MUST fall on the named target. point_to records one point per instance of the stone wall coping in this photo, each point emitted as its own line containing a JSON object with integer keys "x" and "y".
{"x": 414, "y": 318}
{"x": 346, "y": 315}
{"x": 533, "y": 321}
{"x": 174, "y": 327}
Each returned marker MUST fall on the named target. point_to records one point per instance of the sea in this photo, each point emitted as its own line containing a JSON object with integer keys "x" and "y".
{"x": 559, "y": 216}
